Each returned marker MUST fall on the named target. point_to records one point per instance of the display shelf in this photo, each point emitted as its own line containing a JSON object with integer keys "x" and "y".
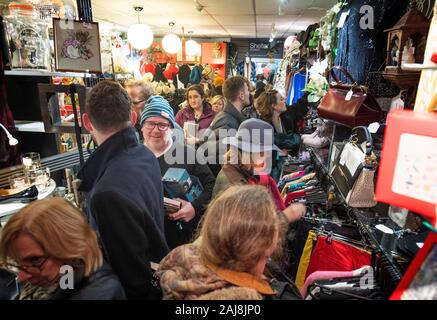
{"x": 370, "y": 235}
{"x": 29, "y": 126}
{"x": 316, "y": 154}
{"x": 418, "y": 66}
{"x": 41, "y": 73}
{"x": 11, "y": 208}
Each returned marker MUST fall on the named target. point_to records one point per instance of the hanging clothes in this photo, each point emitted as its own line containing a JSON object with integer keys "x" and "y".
{"x": 247, "y": 70}
{"x": 171, "y": 71}
{"x": 159, "y": 76}
{"x": 305, "y": 259}
{"x": 184, "y": 74}
{"x": 195, "y": 75}
{"x": 283, "y": 69}
{"x": 363, "y": 50}
{"x": 297, "y": 85}
{"x": 336, "y": 256}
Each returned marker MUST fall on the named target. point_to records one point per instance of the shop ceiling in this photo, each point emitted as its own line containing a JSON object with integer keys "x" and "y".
{"x": 216, "y": 18}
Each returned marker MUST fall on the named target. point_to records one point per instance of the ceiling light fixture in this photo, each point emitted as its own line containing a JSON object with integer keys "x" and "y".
{"x": 140, "y": 36}
{"x": 171, "y": 42}
{"x": 192, "y": 47}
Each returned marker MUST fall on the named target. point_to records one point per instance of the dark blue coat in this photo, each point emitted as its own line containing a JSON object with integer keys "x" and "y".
{"x": 125, "y": 204}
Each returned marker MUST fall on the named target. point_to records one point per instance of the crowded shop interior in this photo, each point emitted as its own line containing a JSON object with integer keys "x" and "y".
{"x": 218, "y": 150}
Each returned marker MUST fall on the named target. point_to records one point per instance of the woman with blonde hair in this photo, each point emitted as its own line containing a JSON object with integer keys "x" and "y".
{"x": 56, "y": 254}
{"x": 238, "y": 234}
{"x": 217, "y": 103}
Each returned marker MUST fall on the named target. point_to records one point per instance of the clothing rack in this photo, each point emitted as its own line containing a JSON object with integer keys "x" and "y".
{"x": 394, "y": 268}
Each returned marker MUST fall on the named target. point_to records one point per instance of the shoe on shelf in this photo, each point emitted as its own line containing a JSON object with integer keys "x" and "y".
{"x": 312, "y": 135}
{"x": 317, "y": 142}
{"x": 28, "y": 195}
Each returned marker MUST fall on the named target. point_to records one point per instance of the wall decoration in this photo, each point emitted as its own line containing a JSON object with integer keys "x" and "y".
{"x": 77, "y": 46}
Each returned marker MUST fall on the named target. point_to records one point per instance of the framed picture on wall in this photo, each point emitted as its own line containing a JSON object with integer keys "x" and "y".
{"x": 77, "y": 46}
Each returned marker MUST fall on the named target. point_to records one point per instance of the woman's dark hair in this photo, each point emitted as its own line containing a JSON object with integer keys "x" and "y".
{"x": 197, "y": 88}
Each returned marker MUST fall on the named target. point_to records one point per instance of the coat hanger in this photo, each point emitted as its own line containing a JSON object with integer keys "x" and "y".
{"x": 339, "y": 238}
{"x": 330, "y": 291}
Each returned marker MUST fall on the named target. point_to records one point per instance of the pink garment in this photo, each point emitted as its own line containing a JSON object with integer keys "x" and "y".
{"x": 320, "y": 275}
{"x": 268, "y": 181}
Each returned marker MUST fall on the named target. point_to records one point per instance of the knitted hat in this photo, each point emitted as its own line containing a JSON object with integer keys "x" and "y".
{"x": 218, "y": 82}
{"x": 157, "y": 106}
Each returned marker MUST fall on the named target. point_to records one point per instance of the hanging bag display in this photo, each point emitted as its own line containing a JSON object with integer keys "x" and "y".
{"x": 354, "y": 170}
{"x": 349, "y": 104}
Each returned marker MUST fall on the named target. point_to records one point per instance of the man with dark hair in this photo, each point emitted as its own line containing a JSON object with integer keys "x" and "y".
{"x": 236, "y": 92}
{"x": 124, "y": 191}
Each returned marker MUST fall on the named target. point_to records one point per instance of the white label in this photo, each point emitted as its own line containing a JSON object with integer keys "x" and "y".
{"x": 384, "y": 229}
{"x": 374, "y": 127}
{"x": 27, "y": 162}
{"x": 342, "y": 20}
{"x": 349, "y": 95}
{"x": 419, "y": 244}
{"x": 415, "y": 174}
{"x": 352, "y": 157}
{"x": 397, "y": 104}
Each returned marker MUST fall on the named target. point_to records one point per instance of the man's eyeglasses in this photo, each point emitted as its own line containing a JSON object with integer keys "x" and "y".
{"x": 151, "y": 125}
{"x": 138, "y": 102}
{"x": 33, "y": 268}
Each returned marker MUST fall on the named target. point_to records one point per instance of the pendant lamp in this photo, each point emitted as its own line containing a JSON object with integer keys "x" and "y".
{"x": 192, "y": 47}
{"x": 171, "y": 42}
{"x": 140, "y": 36}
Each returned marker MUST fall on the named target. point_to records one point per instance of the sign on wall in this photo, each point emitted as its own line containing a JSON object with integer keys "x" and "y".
{"x": 262, "y": 48}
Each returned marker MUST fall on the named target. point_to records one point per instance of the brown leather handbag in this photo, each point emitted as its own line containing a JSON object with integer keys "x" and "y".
{"x": 349, "y": 104}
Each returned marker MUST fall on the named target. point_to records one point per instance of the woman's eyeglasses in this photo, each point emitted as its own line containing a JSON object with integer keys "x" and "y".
{"x": 33, "y": 268}
{"x": 151, "y": 125}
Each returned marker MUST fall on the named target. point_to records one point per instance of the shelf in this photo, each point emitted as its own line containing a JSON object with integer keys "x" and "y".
{"x": 316, "y": 155}
{"x": 30, "y": 126}
{"x": 418, "y": 66}
{"x": 40, "y": 73}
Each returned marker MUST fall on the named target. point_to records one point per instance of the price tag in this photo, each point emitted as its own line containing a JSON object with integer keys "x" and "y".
{"x": 349, "y": 95}
{"x": 397, "y": 104}
{"x": 374, "y": 127}
{"x": 384, "y": 229}
{"x": 342, "y": 20}
{"x": 419, "y": 244}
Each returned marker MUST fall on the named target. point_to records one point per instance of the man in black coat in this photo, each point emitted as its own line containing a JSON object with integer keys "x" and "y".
{"x": 124, "y": 191}
{"x": 227, "y": 121}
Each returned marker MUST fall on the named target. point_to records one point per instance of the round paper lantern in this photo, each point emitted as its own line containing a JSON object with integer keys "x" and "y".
{"x": 140, "y": 36}
{"x": 192, "y": 48}
{"x": 171, "y": 43}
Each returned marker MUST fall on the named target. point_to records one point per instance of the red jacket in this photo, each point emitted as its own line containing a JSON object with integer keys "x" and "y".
{"x": 187, "y": 114}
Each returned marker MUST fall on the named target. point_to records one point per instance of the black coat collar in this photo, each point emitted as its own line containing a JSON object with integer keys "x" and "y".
{"x": 99, "y": 160}
{"x": 233, "y": 111}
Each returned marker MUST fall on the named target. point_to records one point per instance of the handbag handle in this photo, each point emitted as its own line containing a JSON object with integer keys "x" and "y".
{"x": 369, "y": 138}
{"x": 344, "y": 71}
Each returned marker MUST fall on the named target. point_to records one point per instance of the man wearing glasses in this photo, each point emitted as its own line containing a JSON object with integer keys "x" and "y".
{"x": 139, "y": 91}
{"x": 158, "y": 122}
{"x": 124, "y": 191}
